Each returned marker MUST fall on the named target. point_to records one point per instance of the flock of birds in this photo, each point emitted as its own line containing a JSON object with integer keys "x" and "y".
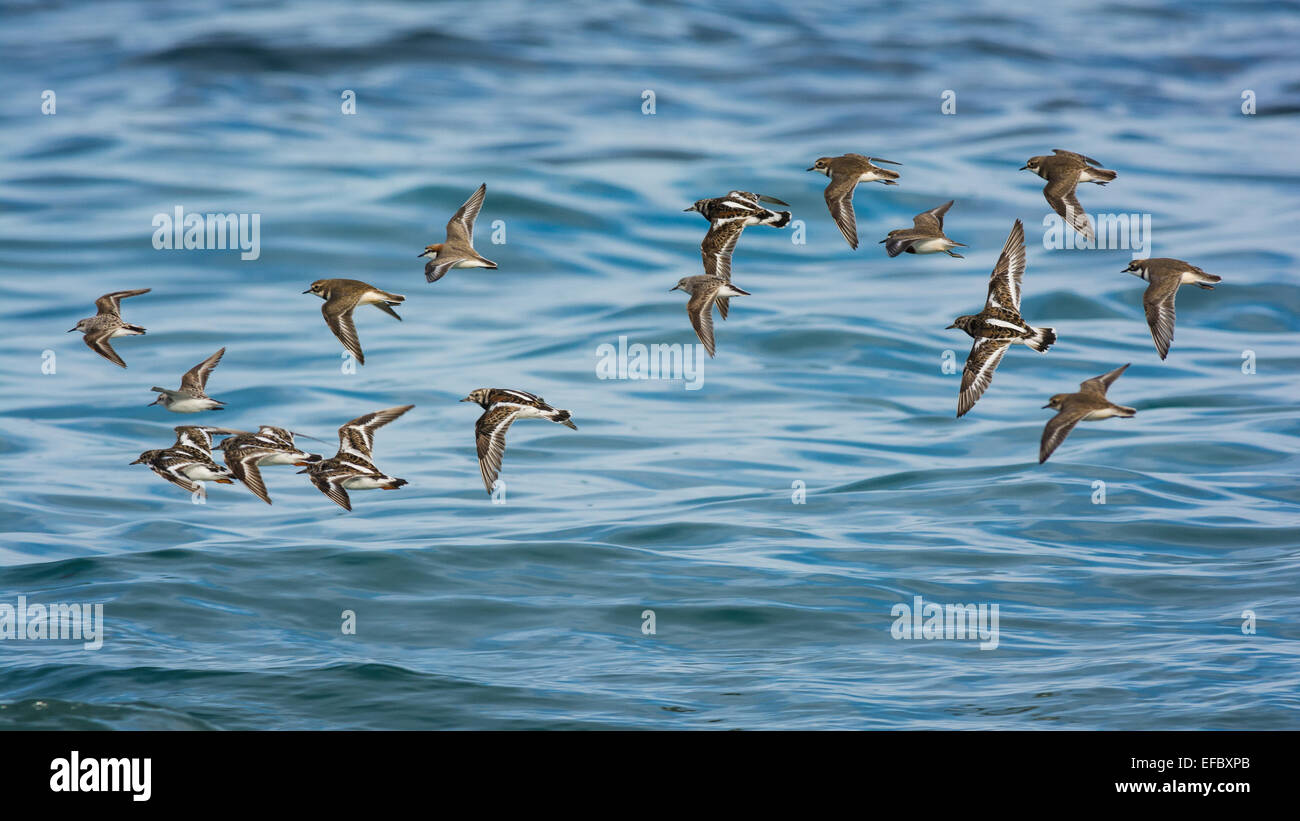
{"x": 189, "y": 461}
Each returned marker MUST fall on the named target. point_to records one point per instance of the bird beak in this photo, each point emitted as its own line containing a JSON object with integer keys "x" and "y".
{"x": 70, "y": 330}
{"x": 692, "y": 208}
{"x": 811, "y": 168}
{"x": 468, "y": 399}
{"x": 953, "y": 325}
{"x": 674, "y": 288}
{"x": 1045, "y": 407}
{"x": 1024, "y": 168}
{"x": 308, "y": 291}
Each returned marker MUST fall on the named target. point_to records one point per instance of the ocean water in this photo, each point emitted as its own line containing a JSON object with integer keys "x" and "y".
{"x": 771, "y": 519}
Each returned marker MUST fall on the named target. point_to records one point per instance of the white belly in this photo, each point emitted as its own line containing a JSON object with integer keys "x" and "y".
{"x": 1104, "y": 413}
{"x": 191, "y": 405}
{"x": 279, "y": 459}
{"x": 202, "y": 473}
{"x": 871, "y": 176}
{"x": 365, "y": 482}
{"x": 931, "y": 246}
{"x": 123, "y": 332}
{"x": 469, "y": 263}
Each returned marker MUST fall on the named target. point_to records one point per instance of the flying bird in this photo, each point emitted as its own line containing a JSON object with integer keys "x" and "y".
{"x": 1164, "y": 276}
{"x": 1072, "y": 408}
{"x": 999, "y": 325}
{"x": 458, "y": 249}
{"x": 501, "y": 407}
{"x": 1063, "y": 172}
{"x": 924, "y": 237}
{"x": 191, "y": 397}
{"x": 353, "y": 468}
{"x": 705, "y": 291}
{"x": 107, "y": 323}
{"x": 845, "y": 173}
{"x": 341, "y": 297}
{"x": 246, "y": 452}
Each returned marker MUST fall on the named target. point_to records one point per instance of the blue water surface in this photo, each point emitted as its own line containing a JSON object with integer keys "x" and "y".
{"x": 772, "y": 519}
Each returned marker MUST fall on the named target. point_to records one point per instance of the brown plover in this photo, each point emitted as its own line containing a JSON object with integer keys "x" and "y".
{"x": 352, "y": 467}
{"x": 107, "y": 323}
{"x": 705, "y": 291}
{"x": 502, "y": 406}
{"x": 924, "y": 237}
{"x": 458, "y": 249}
{"x": 1164, "y": 276}
{"x": 1072, "y": 408}
{"x": 1063, "y": 172}
{"x": 191, "y": 398}
{"x": 341, "y": 297}
{"x": 845, "y": 173}
{"x": 999, "y": 325}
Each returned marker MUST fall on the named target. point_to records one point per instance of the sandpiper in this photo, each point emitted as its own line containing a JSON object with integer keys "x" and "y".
{"x": 191, "y": 398}
{"x": 501, "y": 406}
{"x": 705, "y": 291}
{"x": 458, "y": 249}
{"x": 107, "y": 323}
{"x": 352, "y": 467}
{"x": 1072, "y": 408}
{"x": 1063, "y": 172}
{"x": 924, "y": 237}
{"x": 341, "y": 297}
{"x": 729, "y": 216}
{"x": 1164, "y": 276}
{"x": 269, "y": 446}
{"x": 845, "y": 173}
{"x": 999, "y": 325}
{"x": 189, "y": 460}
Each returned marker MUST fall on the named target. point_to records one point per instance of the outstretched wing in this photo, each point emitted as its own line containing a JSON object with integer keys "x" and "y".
{"x": 700, "y": 309}
{"x": 932, "y": 221}
{"x": 358, "y": 436}
{"x": 243, "y": 465}
{"x": 718, "y": 245}
{"x": 97, "y": 341}
{"x": 1004, "y": 282}
{"x": 1057, "y": 428}
{"x": 984, "y": 357}
{"x": 490, "y": 439}
{"x": 339, "y": 320}
{"x": 1158, "y": 301}
{"x": 112, "y": 303}
{"x": 196, "y": 379}
{"x": 839, "y": 199}
{"x": 1098, "y": 385}
{"x": 461, "y": 225}
{"x": 1060, "y": 195}
{"x": 332, "y": 486}
{"x": 1060, "y": 152}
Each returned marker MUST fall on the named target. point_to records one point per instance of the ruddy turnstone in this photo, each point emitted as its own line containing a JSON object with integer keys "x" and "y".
{"x": 341, "y": 297}
{"x": 191, "y": 398}
{"x": 728, "y": 216}
{"x": 1164, "y": 276}
{"x": 845, "y": 173}
{"x": 352, "y": 467}
{"x": 107, "y": 323}
{"x": 269, "y": 446}
{"x": 1063, "y": 172}
{"x": 999, "y": 325}
{"x": 1072, "y": 408}
{"x": 924, "y": 237}
{"x": 705, "y": 291}
{"x": 502, "y": 406}
{"x": 189, "y": 460}
{"x": 458, "y": 249}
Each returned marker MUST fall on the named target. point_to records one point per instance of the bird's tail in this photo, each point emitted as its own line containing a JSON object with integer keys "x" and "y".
{"x": 395, "y": 484}
{"x": 1042, "y": 339}
{"x": 1125, "y": 412}
{"x": 1101, "y": 176}
{"x": 1203, "y": 280}
{"x": 133, "y": 329}
{"x": 732, "y": 290}
{"x": 776, "y": 219}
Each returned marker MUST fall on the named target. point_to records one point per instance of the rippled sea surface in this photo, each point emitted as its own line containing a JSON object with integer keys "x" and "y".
{"x": 829, "y": 386}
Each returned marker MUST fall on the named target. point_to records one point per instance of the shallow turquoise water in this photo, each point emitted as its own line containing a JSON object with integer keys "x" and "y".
{"x": 768, "y": 614}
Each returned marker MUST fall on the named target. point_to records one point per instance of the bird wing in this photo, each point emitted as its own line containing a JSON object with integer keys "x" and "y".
{"x": 1056, "y": 429}
{"x": 436, "y": 268}
{"x": 873, "y": 159}
{"x": 1158, "y": 301}
{"x": 331, "y": 484}
{"x": 97, "y": 341}
{"x": 1099, "y": 384}
{"x": 1059, "y": 192}
{"x": 839, "y": 199}
{"x": 111, "y": 303}
{"x": 932, "y": 220}
{"x": 1005, "y": 281}
{"x": 1060, "y": 152}
{"x": 700, "y": 309}
{"x": 984, "y": 357}
{"x": 461, "y": 225}
{"x": 196, "y": 378}
{"x": 339, "y": 320}
{"x": 243, "y": 465}
{"x": 358, "y": 436}
{"x": 717, "y": 247}
{"x": 490, "y": 439}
